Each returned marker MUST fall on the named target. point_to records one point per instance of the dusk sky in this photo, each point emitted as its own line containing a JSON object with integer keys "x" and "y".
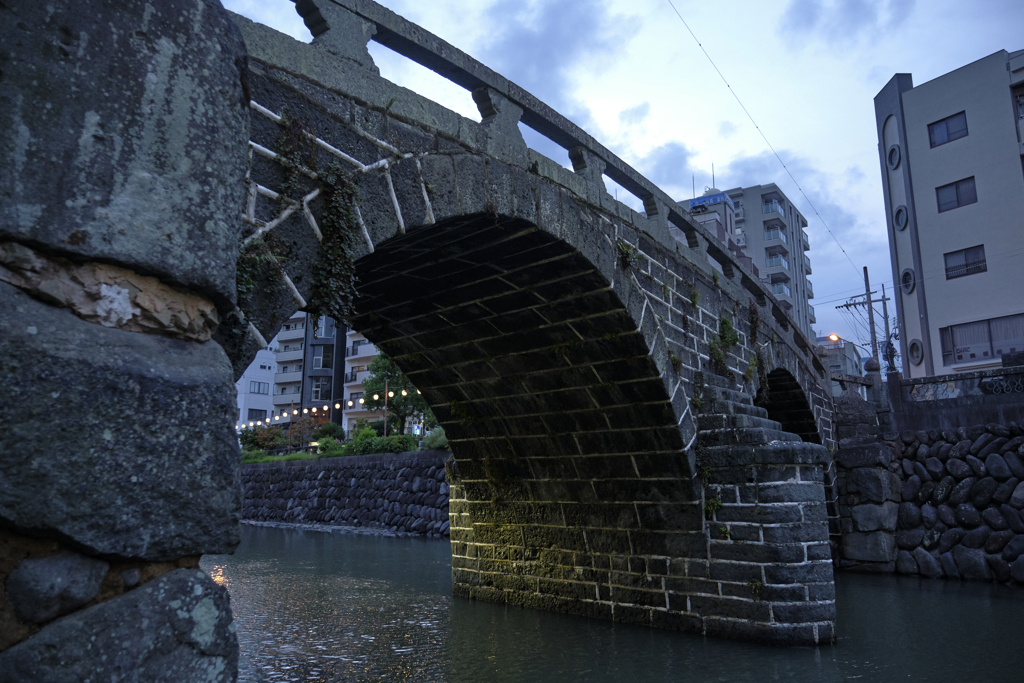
{"x": 630, "y": 73}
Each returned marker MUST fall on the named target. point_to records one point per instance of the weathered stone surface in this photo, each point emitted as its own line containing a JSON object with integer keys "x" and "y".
{"x": 865, "y": 455}
{"x": 1013, "y": 461}
{"x": 86, "y": 460}
{"x": 994, "y": 518}
{"x": 961, "y": 493}
{"x": 1005, "y": 490}
{"x": 905, "y": 562}
{"x": 925, "y": 494}
{"x": 870, "y": 517}
{"x": 1017, "y": 497}
{"x": 909, "y": 539}
{"x": 959, "y": 468}
{"x": 976, "y": 465}
{"x": 911, "y": 488}
{"x": 942, "y": 490}
{"x": 873, "y": 484}
{"x": 998, "y": 540}
{"x": 1012, "y": 518}
{"x": 143, "y": 163}
{"x": 935, "y": 468}
{"x": 976, "y": 538}
{"x": 44, "y": 588}
{"x": 922, "y": 472}
{"x": 876, "y": 546}
{"x": 980, "y": 442}
{"x": 1014, "y": 548}
{"x": 931, "y": 538}
{"x": 176, "y": 628}
{"x": 946, "y": 515}
{"x": 982, "y": 492}
{"x": 961, "y": 449}
{"x": 967, "y": 515}
{"x": 951, "y": 538}
{"x": 929, "y": 515}
{"x": 1000, "y": 568}
{"x": 1017, "y": 571}
{"x": 927, "y": 564}
{"x": 949, "y": 565}
{"x": 971, "y": 564}
{"x": 997, "y": 467}
{"x": 909, "y": 516}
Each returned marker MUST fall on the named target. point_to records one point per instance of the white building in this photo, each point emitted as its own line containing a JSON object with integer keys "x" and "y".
{"x": 359, "y": 353}
{"x": 255, "y": 404}
{"x": 953, "y": 181}
{"x": 769, "y": 229}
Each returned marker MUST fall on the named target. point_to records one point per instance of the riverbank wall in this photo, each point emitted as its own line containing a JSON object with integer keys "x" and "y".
{"x": 926, "y": 494}
{"x": 402, "y": 492}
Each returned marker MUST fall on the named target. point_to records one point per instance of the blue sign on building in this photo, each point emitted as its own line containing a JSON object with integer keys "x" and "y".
{"x": 708, "y": 200}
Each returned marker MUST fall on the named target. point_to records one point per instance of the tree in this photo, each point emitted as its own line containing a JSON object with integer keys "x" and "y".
{"x": 262, "y": 438}
{"x": 300, "y": 433}
{"x": 386, "y": 377}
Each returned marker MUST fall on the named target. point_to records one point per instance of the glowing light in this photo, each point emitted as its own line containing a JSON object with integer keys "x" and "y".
{"x": 295, "y": 412}
{"x": 350, "y": 404}
{"x": 314, "y": 410}
{"x": 277, "y": 417}
{"x": 417, "y": 392}
{"x": 251, "y": 424}
{"x": 834, "y": 337}
{"x": 337, "y": 406}
{"x": 360, "y": 401}
{"x": 326, "y": 408}
{"x": 375, "y": 397}
{"x": 404, "y": 392}
{"x": 391, "y": 394}
{"x": 305, "y": 410}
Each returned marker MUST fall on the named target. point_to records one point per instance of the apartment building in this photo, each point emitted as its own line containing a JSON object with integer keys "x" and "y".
{"x": 841, "y": 358}
{"x": 359, "y": 353}
{"x": 763, "y": 223}
{"x": 306, "y": 379}
{"x": 951, "y": 152}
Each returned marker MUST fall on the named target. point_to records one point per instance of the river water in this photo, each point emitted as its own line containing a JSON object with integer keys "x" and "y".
{"x": 315, "y": 606}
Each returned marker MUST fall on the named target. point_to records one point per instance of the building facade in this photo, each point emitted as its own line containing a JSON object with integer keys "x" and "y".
{"x": 254, "y": 389}
{"x": 359, "y": 353}
{"x": 841, "y": 358}
{"x": 952, "y": 165}
{"x": 763, "y": 223}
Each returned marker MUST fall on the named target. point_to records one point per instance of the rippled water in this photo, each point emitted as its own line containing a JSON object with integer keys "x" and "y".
{"x": 313, "y": 606}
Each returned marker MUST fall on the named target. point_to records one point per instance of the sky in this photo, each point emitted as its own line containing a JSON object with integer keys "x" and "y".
{"x": 630, "y": 73}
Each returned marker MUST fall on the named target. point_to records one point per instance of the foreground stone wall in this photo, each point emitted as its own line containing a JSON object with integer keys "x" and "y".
{"x": 122, "y": 158}
{"x": 939, "y": 503}
{"x": 403, "y": 492}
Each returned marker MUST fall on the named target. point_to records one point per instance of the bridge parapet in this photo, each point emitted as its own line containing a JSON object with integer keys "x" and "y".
{"x": 503, "y": 104}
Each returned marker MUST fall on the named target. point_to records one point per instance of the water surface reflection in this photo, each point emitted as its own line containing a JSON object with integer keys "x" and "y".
{"x": 313, "y": 606}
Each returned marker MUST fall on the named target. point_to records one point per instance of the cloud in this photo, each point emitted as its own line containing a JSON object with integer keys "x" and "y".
{"x": 842, "y": 21}
{"x": 635, "y": 115}
{"x": 726, "y": 129}
{"x": 667, "y": 167}
{"x": 540, "y": 44}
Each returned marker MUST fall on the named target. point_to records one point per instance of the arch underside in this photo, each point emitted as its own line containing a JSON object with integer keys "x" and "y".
{"x": 569, "y": 460}
{"x": 788, "y": 405}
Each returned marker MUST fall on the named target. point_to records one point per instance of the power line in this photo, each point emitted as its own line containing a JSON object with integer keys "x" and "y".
{"x": 764, "y": 137}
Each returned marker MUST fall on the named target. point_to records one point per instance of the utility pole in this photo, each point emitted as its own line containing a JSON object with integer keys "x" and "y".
{"x": 869, "y": 302}
{"x": 889, "y": 360}
{"x": 871, "y": 314}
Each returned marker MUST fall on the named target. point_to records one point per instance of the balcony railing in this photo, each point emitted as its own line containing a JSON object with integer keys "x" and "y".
{"x": 803, "y": 238}
{"x": 775, "y": 234}
{"x": 810, "y": 314}
{"x": 968, "y": 268}
{"x": 772, "y": 207}
{"x": 810, "y": 289}
{"x": 287, "y": 399}
{"x": 284, "y": 356}
{"x": 781, "y": 288}
{"x": 361, "y": 350}
{"x": 284, "y": 377}
{"x": 778, "y": 262}
{"x": 356, "y": 377}
{"x": 807, "y": 264}
{"x": 288, "y": 335}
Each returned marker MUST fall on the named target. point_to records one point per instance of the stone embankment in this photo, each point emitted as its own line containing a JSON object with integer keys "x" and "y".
{"x": 961, "y": 502}
{"x": 403, "y": 492}
{"x": 937, "y": 503}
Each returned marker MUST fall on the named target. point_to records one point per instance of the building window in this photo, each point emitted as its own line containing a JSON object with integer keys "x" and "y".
{"x": 985, "y": 339}
{"x": 321, "y": 388}
{"x": 965, "y": 262}
{"x": 960, "y": 193}
{"x": 948, "y": 129}
{"x": 323, "y": 357}
{"x": 259, "y": 388}
{"x": 255, "y": 414}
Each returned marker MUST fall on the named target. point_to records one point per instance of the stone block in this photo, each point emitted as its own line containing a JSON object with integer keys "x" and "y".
{"x": 124, "y": 444}
{"x": 971, "y": 564}
{"x": 175, "y": 628}
{"x": 871, "y": 517}
{"x": 143, "y": 161}
{"x": 906, "y": 562}
{"x": 875, "y": 546}
{"x": 927, "y": 564}
{"x": 44, "y": 588}
{"x": 873, "y": 484}
{"x": 867, "y": 455}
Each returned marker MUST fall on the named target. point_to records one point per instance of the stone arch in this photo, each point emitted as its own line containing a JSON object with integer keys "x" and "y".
{"x": 787, "y": 404}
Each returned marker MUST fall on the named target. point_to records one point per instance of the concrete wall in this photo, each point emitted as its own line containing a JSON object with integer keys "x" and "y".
{"x": 404, "y": 492}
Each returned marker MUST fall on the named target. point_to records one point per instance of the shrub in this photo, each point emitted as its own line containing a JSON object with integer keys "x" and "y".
{"x": 436, "y": 440}
{"x": 328, "y": 431}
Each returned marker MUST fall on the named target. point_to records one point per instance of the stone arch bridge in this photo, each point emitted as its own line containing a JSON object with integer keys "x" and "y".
{"x": 594, "y": 367}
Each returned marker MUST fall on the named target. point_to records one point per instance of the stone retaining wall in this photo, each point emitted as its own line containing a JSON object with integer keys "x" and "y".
{"x": 939, "y": 503}
{"x": 403, "y": 492}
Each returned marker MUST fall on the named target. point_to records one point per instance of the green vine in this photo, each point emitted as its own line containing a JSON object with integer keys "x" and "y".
{"x": 754, "y": 319}
{"x": 756, "y": 588}
{"x": 694, "y": 296}
{"x": 334, "y": 273}
{"x": 714, "y": 277}
{"x": 628, "y": 255}
{"x": 677, "y": 362}
{"x": 720, "y": 345}
{"x": 712, "y": 505}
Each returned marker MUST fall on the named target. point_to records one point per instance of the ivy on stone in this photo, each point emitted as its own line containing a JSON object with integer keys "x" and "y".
{"x": 334, "y": 273}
